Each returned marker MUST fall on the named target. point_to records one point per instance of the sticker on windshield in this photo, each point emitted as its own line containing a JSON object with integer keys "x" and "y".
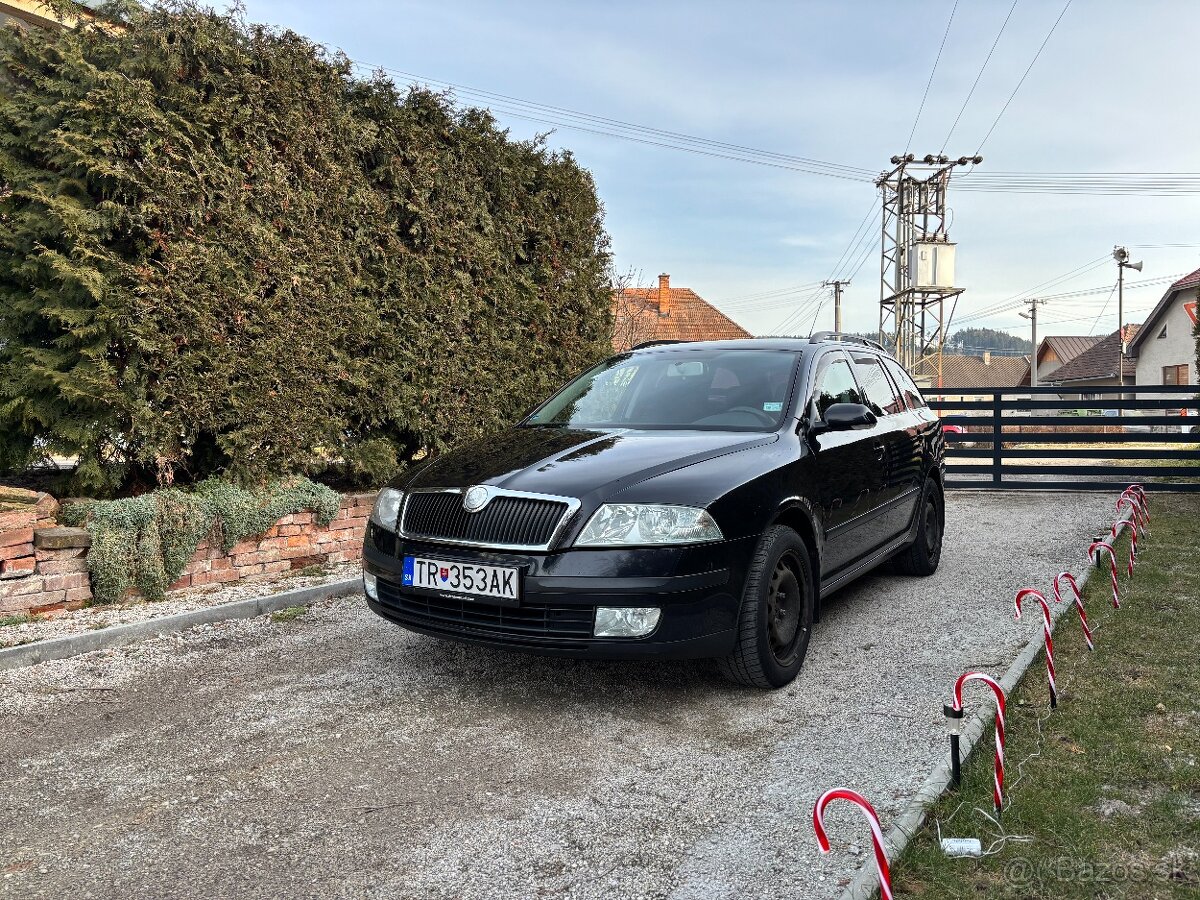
{"x": 773, "y": 406}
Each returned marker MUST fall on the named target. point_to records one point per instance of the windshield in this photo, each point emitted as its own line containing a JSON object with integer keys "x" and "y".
{"x": 719, "y": 390}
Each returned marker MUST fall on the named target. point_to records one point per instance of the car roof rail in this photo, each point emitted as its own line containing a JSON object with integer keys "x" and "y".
{"x": 645, "y": 344}
{"x": 848, "y": 338}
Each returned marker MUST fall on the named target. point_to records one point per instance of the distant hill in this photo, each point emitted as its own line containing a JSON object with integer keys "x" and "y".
{"x": 973, "y": 341}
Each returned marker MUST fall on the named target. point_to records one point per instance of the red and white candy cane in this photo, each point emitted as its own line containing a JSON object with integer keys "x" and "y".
{"x": 998, "y": 773}
{"x": 881, "y": 862}
{"x": 1047, "y": 625}
{"x": 1094, "y": 551}
{"x": 1133, "y": 538}
{"x": 1137, "y": 505}
{"x": 1070, "y": 579}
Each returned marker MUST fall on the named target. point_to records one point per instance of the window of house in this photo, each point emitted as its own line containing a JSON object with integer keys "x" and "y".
{"x": 1162, "y": 334}
{"x": 1175, "y": 374}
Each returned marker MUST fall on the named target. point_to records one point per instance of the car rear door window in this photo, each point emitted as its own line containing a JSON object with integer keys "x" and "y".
{"x": 908, "y": 387}
{"x": 880, "y": 396}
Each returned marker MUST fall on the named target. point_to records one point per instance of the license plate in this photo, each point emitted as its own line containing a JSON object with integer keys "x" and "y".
{"x": 501, "y": 583}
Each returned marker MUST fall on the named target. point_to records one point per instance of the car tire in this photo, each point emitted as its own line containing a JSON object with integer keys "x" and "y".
{"x": 922, "y": 556}
{"x": 775, "y": 624}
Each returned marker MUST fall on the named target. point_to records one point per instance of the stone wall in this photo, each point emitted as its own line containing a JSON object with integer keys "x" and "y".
{"x": 294, "y": 542}
{"x": 43, "y": 568}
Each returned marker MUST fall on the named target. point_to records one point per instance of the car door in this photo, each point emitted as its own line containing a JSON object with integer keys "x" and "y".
{"x": 897, "y": 446}
{"x": 844, "y": 469}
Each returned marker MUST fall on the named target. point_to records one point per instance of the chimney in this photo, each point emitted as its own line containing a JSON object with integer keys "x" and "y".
{"x": 664, "y": 294}
{"x": 987, "y": 357}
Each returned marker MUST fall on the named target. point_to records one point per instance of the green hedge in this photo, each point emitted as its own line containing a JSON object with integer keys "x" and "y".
{"x": 222, "y": 251}
{"x": 146, "y": 542}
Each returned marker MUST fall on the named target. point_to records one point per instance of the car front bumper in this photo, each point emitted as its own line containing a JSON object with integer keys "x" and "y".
{"x": 698, "y": 589}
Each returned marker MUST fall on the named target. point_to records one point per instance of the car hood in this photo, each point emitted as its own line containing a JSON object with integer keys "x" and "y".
{"x": 577, "y": 463}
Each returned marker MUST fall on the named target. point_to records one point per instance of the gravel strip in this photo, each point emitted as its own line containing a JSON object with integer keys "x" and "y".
{"x": 92, "y": 618}
{"x": 338, "y": 755}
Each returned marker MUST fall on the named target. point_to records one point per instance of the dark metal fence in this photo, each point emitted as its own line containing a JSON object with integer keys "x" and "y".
{"x": 1047, "y": 438}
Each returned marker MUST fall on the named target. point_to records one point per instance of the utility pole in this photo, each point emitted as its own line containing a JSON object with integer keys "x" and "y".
{"x": 916, "y": 275}
{"x": 1034, "y": 303}
{"x": 1121, "y": 255}
{"x": 837, "y": 302}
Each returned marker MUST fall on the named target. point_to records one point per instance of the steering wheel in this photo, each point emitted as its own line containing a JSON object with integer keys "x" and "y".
{"x": 762, "y": 416}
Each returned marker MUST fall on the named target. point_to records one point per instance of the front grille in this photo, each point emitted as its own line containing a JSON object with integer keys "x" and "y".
{"x": 533, "y": 624}
{"x": 505, "y": 521}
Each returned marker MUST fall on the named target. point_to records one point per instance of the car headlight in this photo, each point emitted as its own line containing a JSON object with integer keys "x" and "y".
{"x": 633, "y": 524}
{"x": 387, "y": 508}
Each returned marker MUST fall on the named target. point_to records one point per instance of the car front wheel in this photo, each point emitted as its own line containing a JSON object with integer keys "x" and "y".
{"x": 777, "y": 613}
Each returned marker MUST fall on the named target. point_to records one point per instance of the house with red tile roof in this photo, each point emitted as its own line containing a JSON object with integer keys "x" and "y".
{"x": 1165, "y": 349}
{"x": 666, "y": 313}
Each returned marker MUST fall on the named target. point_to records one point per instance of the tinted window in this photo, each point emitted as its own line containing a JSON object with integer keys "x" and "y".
{"x": 907, "y": 386}
{"x": 835, "y": 384}
{"x": 881, "y": 397}
{"x": 740, "y": 390}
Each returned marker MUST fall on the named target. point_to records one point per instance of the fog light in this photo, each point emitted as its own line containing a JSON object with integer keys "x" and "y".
{"x": 369, "y": 581}
{"x": 626, "y": 621}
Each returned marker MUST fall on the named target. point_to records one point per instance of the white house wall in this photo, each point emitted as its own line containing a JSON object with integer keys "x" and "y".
{"x": 1177, "y": 348}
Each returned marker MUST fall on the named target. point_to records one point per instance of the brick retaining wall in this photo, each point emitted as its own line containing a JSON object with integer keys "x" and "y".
{"x": 294, "y": 542}
{"x": 43, "y": 568}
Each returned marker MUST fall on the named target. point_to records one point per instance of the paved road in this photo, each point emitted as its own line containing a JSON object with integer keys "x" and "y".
{"x": 337, "y": 755}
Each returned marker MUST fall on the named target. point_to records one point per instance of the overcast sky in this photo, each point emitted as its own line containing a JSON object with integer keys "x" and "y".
{"x": 841, "y": 82}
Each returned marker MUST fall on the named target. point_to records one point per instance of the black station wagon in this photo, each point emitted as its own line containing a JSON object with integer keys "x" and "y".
{"x": 680, "y": 500}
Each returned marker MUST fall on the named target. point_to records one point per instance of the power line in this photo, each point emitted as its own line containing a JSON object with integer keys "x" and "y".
{"x": 971, "y": 92}
{"x": 1103, "y": 308}
{"x": 1028, "y": 69}
{"x": 580, "y": 121}
{"x": 929, "y": 83}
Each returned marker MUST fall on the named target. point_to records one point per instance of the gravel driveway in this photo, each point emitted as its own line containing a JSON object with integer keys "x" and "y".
{"x": 338, "y": 755}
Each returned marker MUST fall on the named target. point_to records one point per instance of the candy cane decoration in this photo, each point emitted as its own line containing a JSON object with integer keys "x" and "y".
{"x": 1070, "y": 579}
{"x": 1047, "y": 624}
{"x": 881, "y": 862}
{"x": 998, "y": 773}
{"x": 1133, "y": 538}
{"x": 1141, "y": 494}
{"x": 1094, "y": 552}
{"x": 1138, "y": 506}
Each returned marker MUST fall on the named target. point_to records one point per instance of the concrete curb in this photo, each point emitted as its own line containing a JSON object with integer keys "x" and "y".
{"x": 122, "y": 635}
{"x": 866, "y": 883}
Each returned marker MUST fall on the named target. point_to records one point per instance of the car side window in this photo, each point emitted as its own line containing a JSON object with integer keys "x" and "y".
{"x": 881, "y": 397}
{"x": 835, "y": 384}
{"x": 908, "y": 387}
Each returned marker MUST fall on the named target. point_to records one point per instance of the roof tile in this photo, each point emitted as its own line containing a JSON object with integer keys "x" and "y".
{"x": 691, "y": 319}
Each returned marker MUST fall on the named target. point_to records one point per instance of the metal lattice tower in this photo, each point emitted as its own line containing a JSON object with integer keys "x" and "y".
{"x": 912, "y": 316}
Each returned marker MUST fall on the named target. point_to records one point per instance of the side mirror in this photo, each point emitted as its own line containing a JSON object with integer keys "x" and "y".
{"x": 846, "y": 417}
